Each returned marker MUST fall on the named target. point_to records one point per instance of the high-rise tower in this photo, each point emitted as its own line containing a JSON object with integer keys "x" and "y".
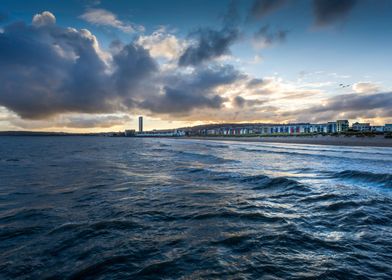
{"x": 140, "y": 124}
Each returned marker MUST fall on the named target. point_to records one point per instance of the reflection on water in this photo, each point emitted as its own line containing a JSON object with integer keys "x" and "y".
{"x": 110, "y": 208}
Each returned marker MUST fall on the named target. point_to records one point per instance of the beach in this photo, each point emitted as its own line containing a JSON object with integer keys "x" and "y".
{"x": 376, "y": 141}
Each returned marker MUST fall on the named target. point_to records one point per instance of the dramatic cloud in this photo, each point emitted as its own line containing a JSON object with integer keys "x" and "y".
{"x": 261, "y": 8}
{"x": 350, "y": 106}
{"x": 48, "y": 70}
{"x": 44, "y": 19}
{"x": 328, "y": 12}
{"x": 73, "y": 121}
{"x": 354, "y": 102}
{"x": 242, "y": 102}
{"x": 52, "y": 76}
{"x": 101, "y": 17}
{"x": 265, "y": 38}
{"x": 256, "y": 82}
{"x": 194, "y": 90}
{"x": 132, "y": 65}
{"x": 365, "y": 87}
{"x": 209, "y": 44}
{"x": 162, "y": 45}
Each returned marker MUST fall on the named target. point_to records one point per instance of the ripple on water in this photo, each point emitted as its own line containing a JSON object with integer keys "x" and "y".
{"x": 123, "y": 208}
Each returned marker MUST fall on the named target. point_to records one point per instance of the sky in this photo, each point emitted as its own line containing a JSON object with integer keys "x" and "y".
{"x": 90, "y": 65}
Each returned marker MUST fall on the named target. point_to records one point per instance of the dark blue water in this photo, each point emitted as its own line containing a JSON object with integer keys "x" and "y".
{"x": 124, "y": 208}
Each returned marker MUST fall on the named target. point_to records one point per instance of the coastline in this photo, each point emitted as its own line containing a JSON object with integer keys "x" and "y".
{"x": 377, "y": 141}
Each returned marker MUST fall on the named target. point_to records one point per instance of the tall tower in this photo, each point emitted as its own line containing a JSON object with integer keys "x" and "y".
{"x": 140, "y": 124}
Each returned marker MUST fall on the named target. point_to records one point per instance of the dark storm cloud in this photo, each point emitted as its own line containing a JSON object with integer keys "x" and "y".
{"x": 352, "y": 105}
{"x": 47, "y": 70}
{"x": 241, "y": 102}
{"x": 353, "y": 102}
{"x": 261, "y": 8}
{"x": 37, "y": 80}
{"x": 329, "y": 11}
{"x": 132, "y": 63}
{"x": 255, "y": 82}
{"x": 267, "y": 37}
{"x": 180, "y": 101}
{"x": 209, "y": 43}
{"x": 195, "y": 90}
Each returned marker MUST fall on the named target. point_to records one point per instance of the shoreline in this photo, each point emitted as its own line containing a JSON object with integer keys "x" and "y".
{"x": 311, "y": 140}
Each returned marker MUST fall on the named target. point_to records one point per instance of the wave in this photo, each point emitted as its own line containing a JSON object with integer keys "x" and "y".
{"x": 264, "y": 182}
{"x": 101, "y": 225}
{"x": 103, "y": 267}
{"x": 161, "y": 150}
{"x": 212, "y": 175}
{"x": 320, "y": 197}
{"x": 12, "y": 159}
{"x": 251, "y": 216}
{"x": 25, "y": 214}
{"x": 316, "y": 155}
{"x": 163, "y": 145}
{"x": 16, "y": 232}
{"x": 205, "y": 157}
{"x": 256, "y": 182}
{"x": 218, "y": 146}
{"x": 352, "y": 150}
{"x": 365, "y": 176}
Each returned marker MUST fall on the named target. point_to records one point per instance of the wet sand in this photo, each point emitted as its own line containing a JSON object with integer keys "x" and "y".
{"x": 377, "y": 141}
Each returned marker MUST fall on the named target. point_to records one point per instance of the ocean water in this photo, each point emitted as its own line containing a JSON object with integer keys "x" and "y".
{"x": 127, "y": 208}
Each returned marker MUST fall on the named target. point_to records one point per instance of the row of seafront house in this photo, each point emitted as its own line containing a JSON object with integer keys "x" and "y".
{"x": 338, "y": 126}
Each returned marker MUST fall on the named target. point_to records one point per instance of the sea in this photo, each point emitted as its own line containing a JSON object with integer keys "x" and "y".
{"x": 155, "y": 208}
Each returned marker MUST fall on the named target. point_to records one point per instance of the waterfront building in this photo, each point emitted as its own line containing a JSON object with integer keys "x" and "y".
{"x": 377, "y": 128}
{"x": 162, "y": 133}
{"x": 361, "y": 126}
{"x": 342, "y": 125}
{"x": 332, "y": 127}
{"x": 130, "y": 132}
{"x": 388, "y": 127}
{"x": 338, "y": 126}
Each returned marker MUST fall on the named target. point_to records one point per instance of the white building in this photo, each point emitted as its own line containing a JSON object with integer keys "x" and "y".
{"x": 361, "y": 126}
{"x": 388, "y": 127}
{"x": 377, "y": 128}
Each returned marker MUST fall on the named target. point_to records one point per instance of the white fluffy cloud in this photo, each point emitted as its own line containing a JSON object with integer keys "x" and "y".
{"x": 45, "y": 18}
{"x": 162, "y": 44}
{"x": 102, "y": 17}
{"x": 365, "y": 87}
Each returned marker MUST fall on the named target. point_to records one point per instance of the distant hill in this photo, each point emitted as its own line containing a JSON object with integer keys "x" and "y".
{"x": 45, "y": 133}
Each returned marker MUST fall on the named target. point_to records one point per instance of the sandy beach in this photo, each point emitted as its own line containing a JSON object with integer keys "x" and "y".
{"x": 377, "y": 141}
